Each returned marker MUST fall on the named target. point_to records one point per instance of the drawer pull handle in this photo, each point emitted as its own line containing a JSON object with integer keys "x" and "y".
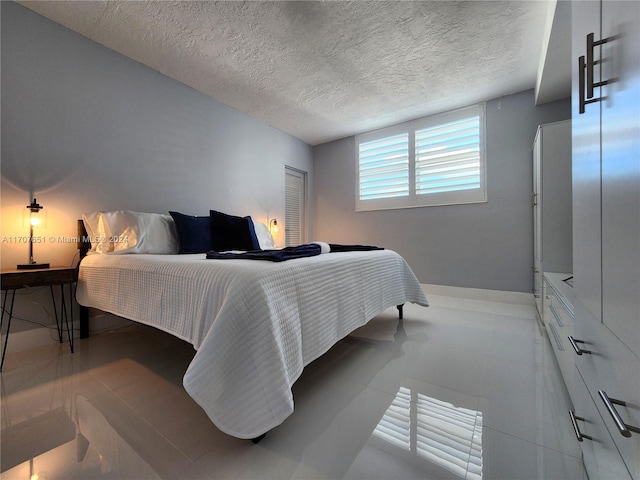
{"x": 625, "y": 430}
{"x": 579, "y": 435}
{"x": 581, "y": 87}
{"x": 591, "y": 44}
{"x": 574, "y": 344}
{"x": 582, "y": 101}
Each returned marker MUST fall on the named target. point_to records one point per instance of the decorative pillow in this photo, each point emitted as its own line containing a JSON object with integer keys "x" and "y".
{"x": 229, "y": 232}
{"x": 138, "y": 232}
{"x": 265, "y": 239}
{"x": 194, "y": 233}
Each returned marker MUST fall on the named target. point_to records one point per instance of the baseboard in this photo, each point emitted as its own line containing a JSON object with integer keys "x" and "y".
{"x": 512, "y": 298}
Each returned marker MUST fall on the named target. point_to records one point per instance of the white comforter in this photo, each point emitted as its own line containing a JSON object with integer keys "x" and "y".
{"x": 254, "y": 324}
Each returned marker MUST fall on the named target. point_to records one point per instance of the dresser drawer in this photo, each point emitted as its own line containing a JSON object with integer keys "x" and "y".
{"x": 614, "y": 369}
{"x": 599, "y": 453}
{"x": 558, "y": 321}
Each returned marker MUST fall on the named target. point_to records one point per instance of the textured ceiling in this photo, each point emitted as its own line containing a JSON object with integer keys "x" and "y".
{"x": 325, "y": 70}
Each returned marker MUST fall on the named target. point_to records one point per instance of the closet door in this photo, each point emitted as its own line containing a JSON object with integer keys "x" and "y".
{"x": 611, "y": 328}
{"x": 621, "y": 215}
{"x": 295, "y": 206}
{"x": 586, "y": 168}
{"x": 621, "y": 171}
{"x": 537, "y": 221}
{"x": 607, "y": 235}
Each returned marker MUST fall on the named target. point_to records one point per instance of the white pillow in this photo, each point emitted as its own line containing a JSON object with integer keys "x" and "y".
{"x": 324, "y": 247}
{"x": 265, "y": 239}
{"x": 94, "y": 226}
{"x": 137, "y": 232}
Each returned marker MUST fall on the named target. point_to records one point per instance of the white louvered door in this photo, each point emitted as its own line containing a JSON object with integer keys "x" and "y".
{"x": 295, "y": 206}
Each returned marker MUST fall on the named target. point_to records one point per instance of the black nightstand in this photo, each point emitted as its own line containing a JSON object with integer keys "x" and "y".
{"x": 13, "y": 280}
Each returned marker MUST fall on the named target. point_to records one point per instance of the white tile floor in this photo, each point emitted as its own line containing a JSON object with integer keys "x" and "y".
{"x": 463, "y": 389}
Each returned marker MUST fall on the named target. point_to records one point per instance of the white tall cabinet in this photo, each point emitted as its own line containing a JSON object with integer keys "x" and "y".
{"x": 606, "y": 234}
{"x": 551, "y": 203}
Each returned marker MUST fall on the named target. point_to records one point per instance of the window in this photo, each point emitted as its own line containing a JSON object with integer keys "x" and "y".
{"x": 437, "y": 160}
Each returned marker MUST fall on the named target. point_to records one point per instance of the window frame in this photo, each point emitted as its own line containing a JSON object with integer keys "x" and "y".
{"x": 413, "y": 200}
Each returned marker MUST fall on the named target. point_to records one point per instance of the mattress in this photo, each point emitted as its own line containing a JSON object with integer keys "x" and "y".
{"x": 255, "y": 324}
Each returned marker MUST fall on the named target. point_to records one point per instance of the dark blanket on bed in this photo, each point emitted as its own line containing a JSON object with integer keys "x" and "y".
{"x": 336, "y": 247}
{"x": 287, "y": 253}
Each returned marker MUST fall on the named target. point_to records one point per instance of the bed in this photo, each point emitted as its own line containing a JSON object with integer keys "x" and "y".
{"x": 254, "y": 324}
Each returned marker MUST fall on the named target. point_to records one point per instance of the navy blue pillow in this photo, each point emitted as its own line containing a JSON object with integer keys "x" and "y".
{"x": 229, "y": 232}
{"x": 194, "y": 233}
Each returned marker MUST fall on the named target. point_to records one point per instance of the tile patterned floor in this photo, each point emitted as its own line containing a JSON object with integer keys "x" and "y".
{"x": 464, "y": 389}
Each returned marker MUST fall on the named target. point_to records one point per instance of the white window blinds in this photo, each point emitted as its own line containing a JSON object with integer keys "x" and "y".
{"x": 437, "y": 160}
{"x": 448, "y": 157}
{"x": 294, "y": 206}
{"x": 384, "y": 167}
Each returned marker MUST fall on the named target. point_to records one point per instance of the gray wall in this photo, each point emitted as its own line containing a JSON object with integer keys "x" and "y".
{"x": 85, "y": 128}
{"x": 487, "y": 245}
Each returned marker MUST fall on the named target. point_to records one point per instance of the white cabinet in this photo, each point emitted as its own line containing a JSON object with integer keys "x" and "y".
{"x": 558, "y": 317}
{"x": 621, "y": 171}
{"x": 551, "y": 203}
{"x": 585, "y": 141}
{"x": 606, "y": 221}
{"x": 612, "y": 368}
{"x": 600, "y": 455}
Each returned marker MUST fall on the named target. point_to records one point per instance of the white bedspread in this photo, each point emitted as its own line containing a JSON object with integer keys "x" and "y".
{"x": 254, "y": 324}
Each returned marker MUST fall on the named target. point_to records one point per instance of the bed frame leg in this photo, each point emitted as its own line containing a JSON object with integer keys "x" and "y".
{"x": 399, "y": 307}
{"x": 84, "y": 322}
{"x": 257, "y": 439}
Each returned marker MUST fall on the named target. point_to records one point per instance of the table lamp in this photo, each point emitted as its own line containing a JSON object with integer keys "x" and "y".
{"x": 36, "y": 219}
